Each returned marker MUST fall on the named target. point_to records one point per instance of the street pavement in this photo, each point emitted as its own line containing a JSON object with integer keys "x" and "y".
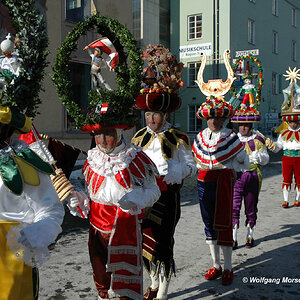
{"x": 269, "y": 270}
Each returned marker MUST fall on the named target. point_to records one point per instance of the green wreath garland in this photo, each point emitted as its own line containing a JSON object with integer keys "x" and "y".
{"x": 128, "y": 80}
{"x": 22, "y": 93}
{"x": 256, "y": 61}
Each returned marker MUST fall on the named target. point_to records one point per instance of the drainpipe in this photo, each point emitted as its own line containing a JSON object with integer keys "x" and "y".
{"x": 214, "y": 39}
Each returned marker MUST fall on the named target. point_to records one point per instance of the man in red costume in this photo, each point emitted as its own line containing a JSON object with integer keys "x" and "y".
{"x": 218, "y": 152}
{"x": 289, "y": 139}
{"x": 121, "y": 182}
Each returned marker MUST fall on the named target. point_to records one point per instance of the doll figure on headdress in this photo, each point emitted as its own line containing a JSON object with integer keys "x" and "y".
{"x": 100, "y": 46}
{"x": 248, "y": 89}
{"x": 9, "y": 63}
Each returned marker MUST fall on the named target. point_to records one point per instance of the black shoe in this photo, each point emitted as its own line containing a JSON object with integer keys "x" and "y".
{"x": 235, "y": 245}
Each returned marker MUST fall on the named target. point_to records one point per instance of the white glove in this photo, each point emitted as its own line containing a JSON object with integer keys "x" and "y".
{"x": 125, "y": 203}
{"x": 24, "y": 241}
{"x": 238, "y": 95}
{"x": 174, "y": 172}
{"x": 255, "y": 157}
{"x": 79, "y": 200}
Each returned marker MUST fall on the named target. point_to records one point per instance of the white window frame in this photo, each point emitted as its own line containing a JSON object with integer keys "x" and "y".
{"x": 195, "y": 119}
{"x": 85, "y": 11}
{"x": 251, "y": 31}
{"x": 275, "y": 42}
{"x": 294, "y": 51}
{"x": 275, "y": 8}
{"x": 192, "y": 19}
{"x": 275, "y": 83}
{"x": 191, "y": 79}
{"x": 294, "y": 17}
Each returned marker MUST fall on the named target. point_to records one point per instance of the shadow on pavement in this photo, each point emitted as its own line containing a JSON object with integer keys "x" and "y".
{"x": 280, "y": 265}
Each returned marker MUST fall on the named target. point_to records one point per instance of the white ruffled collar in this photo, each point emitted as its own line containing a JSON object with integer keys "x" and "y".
{"x": 213, "y": 137}
{"x": 166, "y": 127}
{"x": 248, "y": 138}
{"x": 294, "y": 130}
{"x": 111, "y": 164}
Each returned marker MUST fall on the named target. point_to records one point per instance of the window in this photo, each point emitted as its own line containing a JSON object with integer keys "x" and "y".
{"x": 77, "y": 10}
{"x": 280, "y": 80}
{"x": 194, "y": 27}
{"x": 294, "y": 49}
{"x": 294, "y": 17}
{"x": 193, "y": 69}
{"x": 81, "y": 84}
{"x": 275, "y": 8}
{"x": 275, "y": 83}
{"x": 251, "y": 31}
{"x": 136, "y": 22}
{"x": 275, "y": 42}
{"x": 195, "y": 124}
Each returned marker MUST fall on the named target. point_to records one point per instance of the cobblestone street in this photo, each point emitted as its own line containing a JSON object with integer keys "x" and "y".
{"x": 270, "y": 270}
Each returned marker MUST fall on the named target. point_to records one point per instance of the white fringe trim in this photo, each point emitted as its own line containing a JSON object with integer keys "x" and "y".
{"x": 123, "y": 249}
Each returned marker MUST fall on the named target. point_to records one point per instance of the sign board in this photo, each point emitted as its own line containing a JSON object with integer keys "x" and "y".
{"x": 246, "y": 52}
{"x": 195, "y": 50}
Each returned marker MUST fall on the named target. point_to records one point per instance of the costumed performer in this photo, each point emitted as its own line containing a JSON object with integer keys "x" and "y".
{"x": 247, "y": 185}
{"x": 30, "y": 211}
{"x": 218, "y": 153}
{"x": 169, "y": 148}
{"x": 120, "y": 181}
{"x": 289, "y": 139}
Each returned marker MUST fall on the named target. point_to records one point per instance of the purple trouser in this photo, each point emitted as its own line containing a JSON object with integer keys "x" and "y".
{"x": 247, "y": 187}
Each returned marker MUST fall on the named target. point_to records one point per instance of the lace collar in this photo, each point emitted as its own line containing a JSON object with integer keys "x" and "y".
{"x": 111, "y": 164}
{"x": 212, "y": 138}
{"x": 294, "y": 130}
{"x": 248, "y": 138}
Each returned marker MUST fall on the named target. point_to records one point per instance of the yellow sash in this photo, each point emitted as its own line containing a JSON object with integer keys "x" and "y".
{"x": 15, "y": 276}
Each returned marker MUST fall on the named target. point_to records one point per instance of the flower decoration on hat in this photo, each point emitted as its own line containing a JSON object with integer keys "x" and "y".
{"x": 290, "y": 109}
{"x": 161, "y": 80}
{"x": 247, "y": 107}
{"x": 106, "y": 108}
{"x": 215, "y": 89}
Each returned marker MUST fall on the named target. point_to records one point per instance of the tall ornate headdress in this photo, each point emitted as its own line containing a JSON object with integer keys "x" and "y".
{"x": 106, "y": 108}
{"x": 215, "y": 89}
{"x": 290, "y": 109}
{"x": 247, "y": 110}
{"x": 162, "y": 80}
{"x": 19, "y": 97}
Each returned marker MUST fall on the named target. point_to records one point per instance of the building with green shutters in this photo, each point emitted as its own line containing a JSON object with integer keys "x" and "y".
{"x": 268, "y": 29}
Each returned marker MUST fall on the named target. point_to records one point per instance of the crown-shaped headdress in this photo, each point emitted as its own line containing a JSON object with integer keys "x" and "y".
{"x": 215, "y": 89}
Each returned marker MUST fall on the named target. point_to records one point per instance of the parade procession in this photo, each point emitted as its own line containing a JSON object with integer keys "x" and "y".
{"x": 145, "y": 167}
